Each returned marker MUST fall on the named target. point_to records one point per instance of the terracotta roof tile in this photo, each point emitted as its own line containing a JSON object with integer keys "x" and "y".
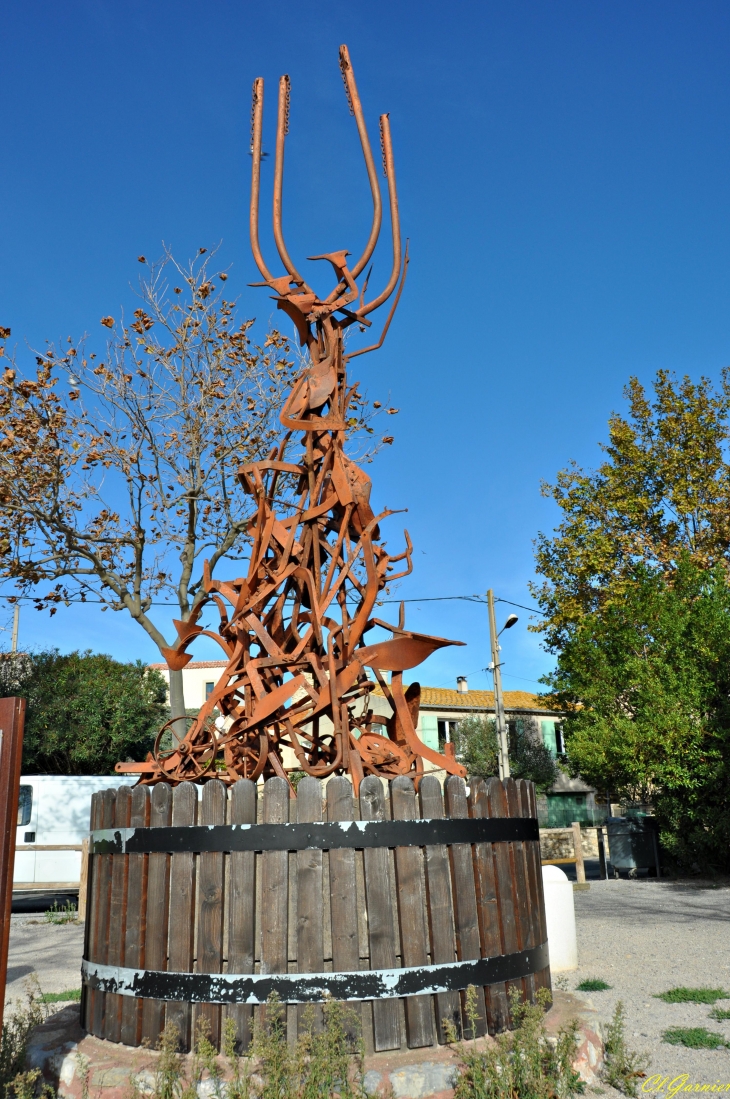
{"x": 193, "y": 664}
{"x": 479, "y": 700}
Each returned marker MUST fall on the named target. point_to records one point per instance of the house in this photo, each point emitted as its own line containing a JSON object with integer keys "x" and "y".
{"x": 441, "y": 709}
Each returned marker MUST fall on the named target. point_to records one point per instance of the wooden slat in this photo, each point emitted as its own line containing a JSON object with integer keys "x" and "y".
{"x": 117, "y": 915}
{"x": 83, "y": 881}
{"x": 381, "y": 927}
{"x": 503, "y": 867}
{"x": 488, "y": 908}
{"x": 91, "y": 926}
{"x": 343, "y": 883}
{"x": 580, "y": 869}
{"x": 136, "y": 917}
{"x": 274, "y": 883}
{"x": 242, "y": 906}
{"x": 181, "y": 926}
{"x": 537, "y": 897}
{"x": 440, "y": 906}
{"x": 210, "y": 904}
{"x": 108, "y": 799}
{"x": 411, "y": 913}
{"x": 345, "y": 952}
{"x": 310, "y": 948}
{"x": 523, "y": 801}
{"x": 158, "y": 900}
{"x": 519, "y": 886}
{"x": 464, "y": 893}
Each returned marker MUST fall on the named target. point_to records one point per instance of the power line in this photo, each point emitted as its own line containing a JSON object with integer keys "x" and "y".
{"x": 380, "y": 602}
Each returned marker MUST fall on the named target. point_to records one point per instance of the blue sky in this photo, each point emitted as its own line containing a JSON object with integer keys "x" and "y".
{"x": 563, "y": 171}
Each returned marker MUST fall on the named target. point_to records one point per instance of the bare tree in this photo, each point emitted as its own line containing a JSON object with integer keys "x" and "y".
{"x": 118, "y": 478}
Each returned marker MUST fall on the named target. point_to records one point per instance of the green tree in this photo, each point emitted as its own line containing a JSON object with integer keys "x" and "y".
{"x": 84, "y": 711}
{"x": 645, "y": 682}
{"x": 663, "y": 491}
{"x": 635, "y": 604}
{"x": 477, "y": 747}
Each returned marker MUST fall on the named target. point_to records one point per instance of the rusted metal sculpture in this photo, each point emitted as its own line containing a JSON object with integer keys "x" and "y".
{"x": 293, "y": 629}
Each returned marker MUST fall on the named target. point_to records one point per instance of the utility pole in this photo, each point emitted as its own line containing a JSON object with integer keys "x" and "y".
{"x": 501, "y": 721}
{"x": 16, "y": 619}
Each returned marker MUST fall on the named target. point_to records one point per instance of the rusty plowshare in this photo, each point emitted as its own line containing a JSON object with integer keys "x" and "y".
{"x": 397, "y": 901}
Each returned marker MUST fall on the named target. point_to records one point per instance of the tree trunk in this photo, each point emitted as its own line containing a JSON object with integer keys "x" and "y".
{"x": 177, "y": 704}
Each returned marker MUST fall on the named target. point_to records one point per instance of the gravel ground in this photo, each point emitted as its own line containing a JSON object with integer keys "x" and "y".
{"x": 51, "y": 951}
{"x": 643, "y": 937}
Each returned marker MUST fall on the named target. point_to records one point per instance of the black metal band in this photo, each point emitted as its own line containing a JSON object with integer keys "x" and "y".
{"x": 327, "y": 836}
{"x": 302, "y": 988}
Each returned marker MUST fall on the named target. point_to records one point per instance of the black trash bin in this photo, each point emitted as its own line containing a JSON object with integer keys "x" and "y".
{"x": 633, "y": 844}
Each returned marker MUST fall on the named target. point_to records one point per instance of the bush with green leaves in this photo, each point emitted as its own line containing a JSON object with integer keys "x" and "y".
{"x": 85, "y": 711}
{"x": 522, "y": 1063}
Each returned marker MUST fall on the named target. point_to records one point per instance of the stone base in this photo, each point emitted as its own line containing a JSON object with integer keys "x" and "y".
{"x": 414, "y": 1074}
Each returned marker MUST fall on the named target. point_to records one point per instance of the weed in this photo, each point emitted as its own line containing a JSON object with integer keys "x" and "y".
{"x": 17, "y": 1025}
{"x": 325, "y": 1061}
{"x": 623, "y": 1067}
{"x": 83, "y": 1066}
{"x": 695, "y": 1037}
{"x": 330, "y": 1059}
{"x": 67, "y": 914}
{"x": 272, "y": 1051}
{"x": 71, "y": 994}
{"x": 521, "y": 1062}
{"x": 692, "y": 995}
{"x": 238, "y": 1087}
{"x": 169, "y": 1071}
{"x": 27, "y": 1085}
{"x": 592, "y": 984}
{"x": 720, "y": 1014}
{"x": 205, "y": 1059}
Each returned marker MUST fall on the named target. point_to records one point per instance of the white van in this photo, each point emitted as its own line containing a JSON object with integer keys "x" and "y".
{"x": 53, "y": 819}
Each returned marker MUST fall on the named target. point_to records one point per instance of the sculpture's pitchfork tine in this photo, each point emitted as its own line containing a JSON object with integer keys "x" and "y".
{"x": 389, "y": 165}
{"x": 282, "y": 128}
{"x": 257, "y": 113}
{"x": 353, "y": 98}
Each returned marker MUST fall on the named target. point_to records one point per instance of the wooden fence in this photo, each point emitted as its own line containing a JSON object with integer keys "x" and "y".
{"x": 371, "y": 912}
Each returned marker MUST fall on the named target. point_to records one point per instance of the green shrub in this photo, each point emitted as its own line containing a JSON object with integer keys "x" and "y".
{"x": 592, "y": 984}
{"x": 522, "y": 1063}
{"x": 692, "y": 995}
{"x": 696, "y": 1037}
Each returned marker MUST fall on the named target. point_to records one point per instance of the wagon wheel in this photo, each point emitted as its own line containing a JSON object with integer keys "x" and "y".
{"x": 187, "y": 759}
{"x": 323, "y": 753}
{"x": 383, "y": 755}
{"x": 246, "y": 755}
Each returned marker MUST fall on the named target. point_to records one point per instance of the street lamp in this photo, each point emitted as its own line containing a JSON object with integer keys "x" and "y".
{"x": 500, "y": 719}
